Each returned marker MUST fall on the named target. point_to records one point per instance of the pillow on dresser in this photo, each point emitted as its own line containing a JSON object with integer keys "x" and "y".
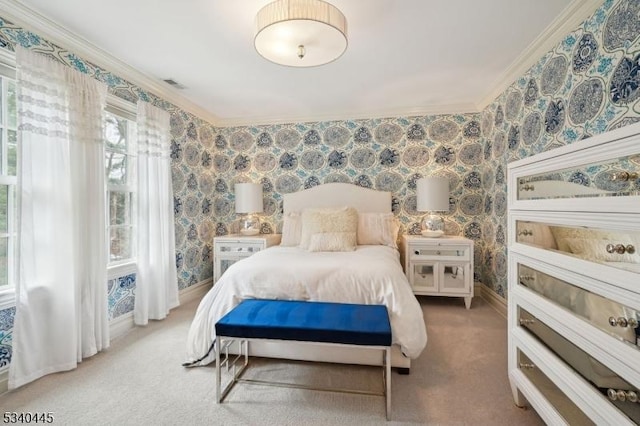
{"x": 315, "y": 221}
{"x": 291, "y": 229}
{"x": 333, "y": 241}
{"x": 378, "y": 229}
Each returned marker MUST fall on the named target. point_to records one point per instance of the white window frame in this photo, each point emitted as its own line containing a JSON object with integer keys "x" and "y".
{"x": 127, "y": 110}
{"x": 7, "y": 293}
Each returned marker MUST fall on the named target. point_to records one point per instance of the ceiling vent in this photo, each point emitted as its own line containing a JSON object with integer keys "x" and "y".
{"x": 174, "y": 83}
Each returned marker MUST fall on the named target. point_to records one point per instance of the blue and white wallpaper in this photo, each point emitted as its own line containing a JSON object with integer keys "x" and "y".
{"x": 589, "y": 83}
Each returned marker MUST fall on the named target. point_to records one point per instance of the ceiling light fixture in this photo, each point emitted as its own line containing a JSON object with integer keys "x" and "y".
{"x": 300, "y": 33}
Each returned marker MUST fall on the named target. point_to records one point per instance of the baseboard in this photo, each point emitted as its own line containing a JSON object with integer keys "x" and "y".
{"x": 195, "y": 291}
{"x": 4, "y": 381}
{"x": 494, "y": 300}
{"x": 121, "y": 325}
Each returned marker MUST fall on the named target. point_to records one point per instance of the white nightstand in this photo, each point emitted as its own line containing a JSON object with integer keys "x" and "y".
{"x": 228, "y": 249}
{"x": 439, "y": 266}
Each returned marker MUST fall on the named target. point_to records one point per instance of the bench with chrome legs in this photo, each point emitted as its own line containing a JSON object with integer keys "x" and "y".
{"x": 363, "y": 326}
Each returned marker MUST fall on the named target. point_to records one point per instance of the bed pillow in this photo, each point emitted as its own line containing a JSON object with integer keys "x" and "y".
{"x": 378, "y": 229}
{"x": 314, "y": 221}
{"x": 291, "y": 229}
{"x": 333, "y": 241}
{"x": 593, "y": 249}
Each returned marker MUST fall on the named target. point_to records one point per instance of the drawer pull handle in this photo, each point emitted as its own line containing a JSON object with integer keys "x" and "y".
{"x": 527, "y": 187}
{"x": 621, "y": 395}
{"x": 624, "y": 176}
{"x": 416, "y": 252}
{"x": 526, "y": 277}
{"x": 620, "y": 248}
{"x": 527, "y": 366}
{"x": 525, "y": 232}
{"x": 623, "y": 322}
{"x": 527, "y": 321}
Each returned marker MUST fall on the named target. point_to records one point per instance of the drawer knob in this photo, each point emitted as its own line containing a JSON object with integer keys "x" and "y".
{"x": 527, "y": 321}
{"x": 624, "y": 176}
{"x": 527, "y": 366}
{"x": 623, "y": 322}
{"x": 416, "y": 252}
{"x": 526, "y": 277}
{"x": 525, "y": 232}
{"x": 622, "y": 396}
{"x": 620, "y": 248}
{"x": 527, "y": 187}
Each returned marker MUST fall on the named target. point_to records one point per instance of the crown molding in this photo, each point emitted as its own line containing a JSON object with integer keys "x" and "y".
{"x": 19, "y": 14}
{"x": 462, "y": 108}
{"x": 569, "y": 20}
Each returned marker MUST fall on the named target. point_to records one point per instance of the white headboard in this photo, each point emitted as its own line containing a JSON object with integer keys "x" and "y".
{"x": 337, "y": 195}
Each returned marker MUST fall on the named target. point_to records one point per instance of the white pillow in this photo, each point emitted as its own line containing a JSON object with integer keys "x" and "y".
{"x": 377, "y": 229}
{"x": 291, "y": 229}
{"x": 343, "y": 219}
{"x": 333, "y": 241}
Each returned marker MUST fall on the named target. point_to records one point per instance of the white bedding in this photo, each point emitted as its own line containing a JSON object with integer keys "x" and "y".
{"x": 368, "y": 275}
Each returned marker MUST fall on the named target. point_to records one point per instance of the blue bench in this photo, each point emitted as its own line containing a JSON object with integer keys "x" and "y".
{"x": 365, "y": 326}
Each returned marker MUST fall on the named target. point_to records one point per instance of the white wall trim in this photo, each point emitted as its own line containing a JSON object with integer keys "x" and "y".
{"x": 123, "y": 324}
{"x": 570, "y": 18}
{"x": 195, "y": 291}
{"x": 19, "y": 14}
{"x": 494, "y": 300}
{"x": 4, "y": 380}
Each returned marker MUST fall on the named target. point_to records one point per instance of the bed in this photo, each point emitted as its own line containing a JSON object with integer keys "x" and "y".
{"x": 369, "y": 274}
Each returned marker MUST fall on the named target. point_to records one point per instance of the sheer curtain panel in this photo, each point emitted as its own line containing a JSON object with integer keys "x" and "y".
{"x": 156, "y": 280}
{"x": 61, "y": 295}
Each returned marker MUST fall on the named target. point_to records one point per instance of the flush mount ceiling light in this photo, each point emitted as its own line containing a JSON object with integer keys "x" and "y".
{"x": 300, "y": 33}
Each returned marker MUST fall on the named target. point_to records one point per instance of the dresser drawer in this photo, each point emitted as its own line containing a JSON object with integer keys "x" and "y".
{"x": 620, "y": 393}
{"x": 449, "y": 251}
{"x": 238, "y": 248}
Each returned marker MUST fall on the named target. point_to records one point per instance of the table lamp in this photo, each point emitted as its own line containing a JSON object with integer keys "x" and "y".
{"x": 248, "y": 203}
{"x": 433, "y": 196}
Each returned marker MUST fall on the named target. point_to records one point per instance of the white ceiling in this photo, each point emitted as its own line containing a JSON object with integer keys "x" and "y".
{"x": 405, "y": 57}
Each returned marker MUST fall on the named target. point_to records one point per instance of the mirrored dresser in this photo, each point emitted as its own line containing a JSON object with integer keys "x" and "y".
{"x": 574, "y": 281}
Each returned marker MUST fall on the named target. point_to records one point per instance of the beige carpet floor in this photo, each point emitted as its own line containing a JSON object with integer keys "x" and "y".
{"x": 460, "y": 379}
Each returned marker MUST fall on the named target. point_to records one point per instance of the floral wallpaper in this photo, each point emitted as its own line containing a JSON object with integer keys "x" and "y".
{"x": 588, "y": 84}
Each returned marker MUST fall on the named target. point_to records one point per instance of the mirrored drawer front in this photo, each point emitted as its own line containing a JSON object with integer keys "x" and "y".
{"x": 622, "y": 394}
{"x": 619, "y": 249}
{"x": 618, "y": 177}
{"x": 436, "y": 251}
{"x": 571, "y": 413}
{"x": 424, "y": 275}
{"x": 238, "y": 248}
{"x": 614, "y": 318}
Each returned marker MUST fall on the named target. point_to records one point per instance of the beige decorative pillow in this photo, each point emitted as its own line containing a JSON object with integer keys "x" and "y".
{"x": 593, "y": 249}
{"x": 541, "y": 235}
{"x": 562, "y": 234}
{"x": 314, "y": 221}
{"x": 377, "y": 229}
{"x": 333, "y": 241}
{"x": 291, "y": 229}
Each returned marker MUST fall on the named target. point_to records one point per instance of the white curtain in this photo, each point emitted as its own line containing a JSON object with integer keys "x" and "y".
{"x": 156, "y": 280}
{"x": 61, "y": 306}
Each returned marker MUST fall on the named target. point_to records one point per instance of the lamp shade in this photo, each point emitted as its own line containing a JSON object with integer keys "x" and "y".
{"x": 433, "y": 194}
{"x": 300, "y": 33}
{"x": 248, "y": 198}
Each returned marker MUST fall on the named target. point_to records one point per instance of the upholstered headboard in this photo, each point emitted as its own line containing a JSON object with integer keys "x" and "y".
{"x": 338, "y": 195}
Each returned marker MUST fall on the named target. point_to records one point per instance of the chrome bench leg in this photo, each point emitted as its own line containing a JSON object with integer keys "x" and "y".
{"x": 387, "y": 368}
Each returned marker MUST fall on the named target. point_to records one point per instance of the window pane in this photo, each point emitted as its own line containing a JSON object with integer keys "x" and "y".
{"x": 116, "y": 165}
{"x": 11, "y": 104}
{"x": 116, "y": 133}
{"x": 4, "y": 208}
{"x": 12, "y": 152}
{"x": 4, "y": 261}
{"x": 120, "y": 242}
{"x": 119, "y": 208}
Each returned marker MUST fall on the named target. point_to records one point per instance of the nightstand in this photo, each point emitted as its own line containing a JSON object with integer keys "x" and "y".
{"x": 228, "y": 249}
{"x": 439, "y": 266}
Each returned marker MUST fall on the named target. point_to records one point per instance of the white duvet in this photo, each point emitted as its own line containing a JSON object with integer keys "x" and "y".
{"x": 368, "y": 275}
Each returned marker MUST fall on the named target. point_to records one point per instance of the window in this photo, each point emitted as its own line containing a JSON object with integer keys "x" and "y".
{"x": 120, "y": 164}
{"x": 8, "y": 180}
